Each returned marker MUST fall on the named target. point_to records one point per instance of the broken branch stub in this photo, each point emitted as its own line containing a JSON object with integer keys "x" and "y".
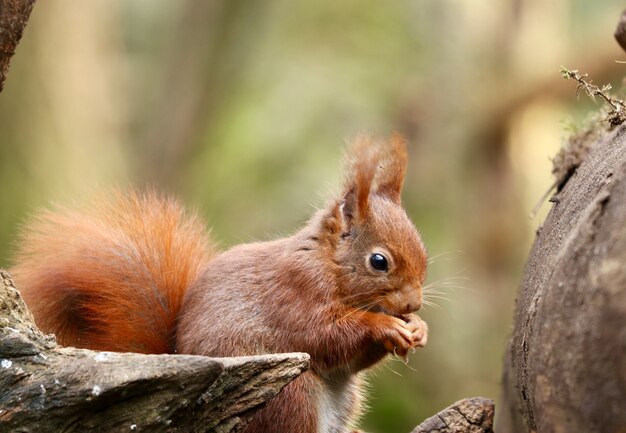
{"x": 470, "y": 415}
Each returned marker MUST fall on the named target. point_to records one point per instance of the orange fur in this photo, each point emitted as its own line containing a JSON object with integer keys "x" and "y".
{"x": 361, "y": 160}
{"x": 111, "y": 276}
{"x": 393, "y": 169}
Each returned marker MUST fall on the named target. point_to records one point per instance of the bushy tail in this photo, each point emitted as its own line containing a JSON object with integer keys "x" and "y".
{"x": 111, "y": 275}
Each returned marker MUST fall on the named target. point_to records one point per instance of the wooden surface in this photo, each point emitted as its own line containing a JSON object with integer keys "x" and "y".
{"x": 471, "y": 415}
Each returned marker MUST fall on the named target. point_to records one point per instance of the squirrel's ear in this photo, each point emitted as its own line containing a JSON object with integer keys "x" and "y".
{"x": 390, "y": 177}
{"x": 361, "y": 161}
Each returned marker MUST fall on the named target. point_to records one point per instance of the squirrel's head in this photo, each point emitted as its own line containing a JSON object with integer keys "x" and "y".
{"x": 380, "y": 256}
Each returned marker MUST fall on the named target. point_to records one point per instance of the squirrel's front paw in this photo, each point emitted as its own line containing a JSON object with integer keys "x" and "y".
{"x": 396, "y": 335}
{"x": 419, "y": 329}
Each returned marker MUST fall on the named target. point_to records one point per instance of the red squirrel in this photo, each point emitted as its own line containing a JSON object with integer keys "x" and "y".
{"x": 136, "y": 272}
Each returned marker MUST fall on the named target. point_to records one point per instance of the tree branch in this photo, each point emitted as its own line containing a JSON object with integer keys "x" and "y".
{"x": 470, "y": 415}
{"x": 49, "y": 388}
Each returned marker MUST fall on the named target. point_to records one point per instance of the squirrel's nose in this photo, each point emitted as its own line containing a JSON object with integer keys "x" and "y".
{"x": 412, "y": 299}
{"x": 413, "y": 306}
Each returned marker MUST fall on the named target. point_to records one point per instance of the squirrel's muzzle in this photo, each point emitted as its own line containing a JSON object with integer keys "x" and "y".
{"x": 405, "y": 300}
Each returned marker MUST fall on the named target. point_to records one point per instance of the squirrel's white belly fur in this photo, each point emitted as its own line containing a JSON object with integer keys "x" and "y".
{"x": 338, "y": 401}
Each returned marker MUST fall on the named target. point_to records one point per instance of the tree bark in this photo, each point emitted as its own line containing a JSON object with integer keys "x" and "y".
{"x": 471, "y": 415}
{"x": 565, "y": 369}
{"x": 13, "y": 18}
{"x": 49, "y": 388}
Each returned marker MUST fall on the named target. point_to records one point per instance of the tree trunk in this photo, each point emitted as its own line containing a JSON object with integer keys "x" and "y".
{"x": 565, "y": 369}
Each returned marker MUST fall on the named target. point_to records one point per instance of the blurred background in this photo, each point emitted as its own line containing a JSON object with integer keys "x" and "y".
{"x": 241, "y": 109}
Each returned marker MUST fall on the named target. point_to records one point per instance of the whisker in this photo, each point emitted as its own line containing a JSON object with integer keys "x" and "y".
{"x": 447, "y": 253}
{"x": 398, "y": 359}
{"x": 452, "y": 289}
{"x": 431, "y": 304}
{"x": 414, "y": 370}
{"x": 435, "y": 295}
{"x": 447, "y": 285}
{"x": 437, "y": 306}
{"x": 443, "y": 298}
{"x": 453, "y": 279}
{"x": 443, "y": 283}
{"x": 362, "y": 308}
{"x": 357, "y": 296}
{"x": 391, "y": 369}
{"x": 444, "y": 289}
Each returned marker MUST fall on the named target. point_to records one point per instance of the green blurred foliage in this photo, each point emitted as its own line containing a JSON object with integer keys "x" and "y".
{"x": 242, "y": 109}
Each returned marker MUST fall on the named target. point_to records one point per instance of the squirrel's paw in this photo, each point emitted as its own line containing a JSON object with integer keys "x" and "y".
{"x": 397, "y": 336}
{"x": 419, "y": 329}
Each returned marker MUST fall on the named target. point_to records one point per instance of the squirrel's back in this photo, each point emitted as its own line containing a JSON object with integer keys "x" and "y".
{"x": 111, "y": 275}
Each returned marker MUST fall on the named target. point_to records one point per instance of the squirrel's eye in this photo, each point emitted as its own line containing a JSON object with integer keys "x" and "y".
{"x": 379, "y": 262}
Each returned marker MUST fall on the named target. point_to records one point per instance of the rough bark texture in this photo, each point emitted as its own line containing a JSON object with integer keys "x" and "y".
{"x": 49, "y": 388}
{"x": 13, "y": 18}
{"x": 565, "y": 369}
{"x": 471, "y": 415}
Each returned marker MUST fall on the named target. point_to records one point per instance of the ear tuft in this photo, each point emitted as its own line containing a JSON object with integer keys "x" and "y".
{"x": 361, "y": 161}
{"x": 390, "y": 178}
